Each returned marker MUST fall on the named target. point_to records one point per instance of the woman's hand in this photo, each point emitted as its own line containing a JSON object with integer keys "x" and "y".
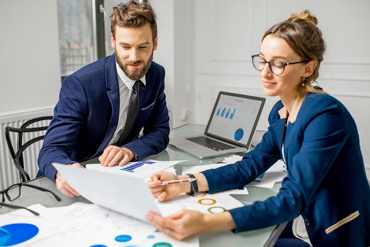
{"x": 166, "y": 192}
{"x": 180, "y": 225}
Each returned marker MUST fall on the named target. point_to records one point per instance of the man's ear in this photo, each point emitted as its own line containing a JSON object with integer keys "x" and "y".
{"x": 113, "y": 41}
{"x": 155, "y": 43}
{"x": 309, "y": 68}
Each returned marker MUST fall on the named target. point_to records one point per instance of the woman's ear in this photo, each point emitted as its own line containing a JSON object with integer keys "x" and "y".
{"x": 309, "y": 68}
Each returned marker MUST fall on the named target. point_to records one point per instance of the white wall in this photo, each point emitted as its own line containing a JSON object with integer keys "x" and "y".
{"x": 164, "y": 55}
{"x": 176, "y": 45}
{"x": 228, "y": 33}
{"x": 29, "y": 51}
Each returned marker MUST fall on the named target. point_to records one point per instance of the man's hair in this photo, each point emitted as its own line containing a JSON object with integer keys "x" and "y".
{"x": 133, "y": 14}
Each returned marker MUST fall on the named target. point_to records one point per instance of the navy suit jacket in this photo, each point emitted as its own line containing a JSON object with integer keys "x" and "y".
{"x": 326, "y": 179}
{"x": 86, "y": 116}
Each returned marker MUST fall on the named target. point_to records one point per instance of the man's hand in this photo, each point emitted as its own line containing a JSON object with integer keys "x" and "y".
{"x": 114, "y": 154}
{"x": 63, "y": 186}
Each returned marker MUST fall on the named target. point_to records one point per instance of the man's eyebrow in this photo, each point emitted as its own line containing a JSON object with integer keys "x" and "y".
{"x": 144, "y": 43}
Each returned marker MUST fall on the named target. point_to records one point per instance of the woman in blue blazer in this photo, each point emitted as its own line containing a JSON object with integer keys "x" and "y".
{"x": 326, "y": 192}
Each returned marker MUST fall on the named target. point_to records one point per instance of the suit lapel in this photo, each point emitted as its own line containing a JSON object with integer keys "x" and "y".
{"x": 113, "y": 95}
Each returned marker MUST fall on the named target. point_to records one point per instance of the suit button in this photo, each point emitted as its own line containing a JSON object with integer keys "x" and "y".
{"x": 307, "y": 222}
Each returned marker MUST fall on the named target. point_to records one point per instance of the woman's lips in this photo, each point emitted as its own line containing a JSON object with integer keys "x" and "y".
{"x": 268, "y": 84}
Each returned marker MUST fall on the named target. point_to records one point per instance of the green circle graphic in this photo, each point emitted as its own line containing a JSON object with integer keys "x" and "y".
{"x": 210, "y": 209}
{"x": 162, "y": 245}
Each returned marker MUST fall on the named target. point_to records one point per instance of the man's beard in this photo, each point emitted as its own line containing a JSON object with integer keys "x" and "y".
{"x": 135, "y": 74}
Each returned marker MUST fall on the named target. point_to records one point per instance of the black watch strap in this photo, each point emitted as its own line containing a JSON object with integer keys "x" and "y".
{"x": 193, "y": 185}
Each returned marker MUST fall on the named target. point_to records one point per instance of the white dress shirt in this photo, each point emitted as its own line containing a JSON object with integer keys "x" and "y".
{"x": 125, "y": 90}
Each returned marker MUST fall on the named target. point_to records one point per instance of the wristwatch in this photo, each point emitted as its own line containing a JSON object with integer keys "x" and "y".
{"x": 193, "y": 185}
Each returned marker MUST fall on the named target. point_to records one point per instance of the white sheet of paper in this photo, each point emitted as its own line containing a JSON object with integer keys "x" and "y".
{"x": 83, "y": 224}
{"x": 233, "y": 158}
{"x": 141, "y": 168}
{"x": 163, "y": 240}
{"x": 203, "y": 202}
{"x": 124, "y": 193}
{"x": 276, "y": 173}
{"x": 38, "y": 224}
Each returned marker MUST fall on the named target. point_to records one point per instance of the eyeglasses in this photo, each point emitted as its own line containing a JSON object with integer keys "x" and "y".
{"x": 17, "y": 193}
{"x": 276, "y": 67}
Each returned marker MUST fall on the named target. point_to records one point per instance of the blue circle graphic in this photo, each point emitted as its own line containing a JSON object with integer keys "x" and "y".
{"x": 98, "y": 245}
{"x": 239, "y": 133}
{"x": 13, "y": 234}
{"x": 123, "y": 238}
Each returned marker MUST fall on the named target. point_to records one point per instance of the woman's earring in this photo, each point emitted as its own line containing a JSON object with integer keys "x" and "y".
{"x": 304, "y": 81}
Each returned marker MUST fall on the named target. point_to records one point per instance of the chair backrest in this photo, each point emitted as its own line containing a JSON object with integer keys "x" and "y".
{"x": 17, "y": 155}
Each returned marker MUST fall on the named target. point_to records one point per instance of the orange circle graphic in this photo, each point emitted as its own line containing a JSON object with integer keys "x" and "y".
{"x": 201, "y": 201}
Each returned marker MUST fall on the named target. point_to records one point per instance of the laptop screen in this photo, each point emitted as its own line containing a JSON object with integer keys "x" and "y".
{"x": 235, "y": 117}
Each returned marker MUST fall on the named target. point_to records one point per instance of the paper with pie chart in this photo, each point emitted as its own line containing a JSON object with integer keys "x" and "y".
{"x": 203, "y": 202}
{"x": 20, "y": 227}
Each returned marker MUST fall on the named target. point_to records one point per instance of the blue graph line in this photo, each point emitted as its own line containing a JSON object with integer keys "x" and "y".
{"x": 132, "y": 167}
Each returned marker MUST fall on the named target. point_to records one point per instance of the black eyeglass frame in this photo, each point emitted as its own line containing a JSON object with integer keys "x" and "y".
{"x": 4, "y": 194}
{"x": 18, "y": 207}
{"x": 269, "y": 62}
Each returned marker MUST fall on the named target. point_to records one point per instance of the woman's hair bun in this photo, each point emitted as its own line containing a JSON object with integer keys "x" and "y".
{"x": 304, "y": 15}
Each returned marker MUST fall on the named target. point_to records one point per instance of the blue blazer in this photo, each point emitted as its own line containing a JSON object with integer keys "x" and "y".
{"x": 326, "y": 179}
{"x": 86, "y": 116}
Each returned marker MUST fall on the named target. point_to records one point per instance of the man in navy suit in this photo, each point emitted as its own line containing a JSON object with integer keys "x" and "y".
{"x": 103, "y": 106}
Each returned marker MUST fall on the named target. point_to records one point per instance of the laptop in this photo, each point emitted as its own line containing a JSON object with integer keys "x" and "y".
{"x": 230, "y": 128}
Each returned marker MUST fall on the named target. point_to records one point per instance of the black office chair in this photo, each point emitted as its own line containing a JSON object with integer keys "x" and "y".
{"x": 18, "y": 155}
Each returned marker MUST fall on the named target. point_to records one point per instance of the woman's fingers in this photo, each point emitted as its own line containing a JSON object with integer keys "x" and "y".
{"x": 167, "y": 225}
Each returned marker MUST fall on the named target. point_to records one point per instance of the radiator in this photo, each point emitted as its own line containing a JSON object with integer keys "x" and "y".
{"x": 8, "y": 173}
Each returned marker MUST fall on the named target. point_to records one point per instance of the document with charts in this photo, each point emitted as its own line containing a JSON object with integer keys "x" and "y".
{"x": 141, "y": 168}
{"x": 203, "y": 202}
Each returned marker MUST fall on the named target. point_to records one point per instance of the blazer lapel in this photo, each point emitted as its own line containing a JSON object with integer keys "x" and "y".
{"x": 113, "y": 95}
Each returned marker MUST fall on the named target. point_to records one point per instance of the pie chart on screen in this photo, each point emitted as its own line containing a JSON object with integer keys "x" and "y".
{"x": 13, "y": 234}
{"x": 239, "y": 133}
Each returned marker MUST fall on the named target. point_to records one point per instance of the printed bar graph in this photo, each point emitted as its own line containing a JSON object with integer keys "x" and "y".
{"x": 132, "y": 167}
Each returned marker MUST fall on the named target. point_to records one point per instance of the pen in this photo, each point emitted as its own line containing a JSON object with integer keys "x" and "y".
{"x": 178, "y": 181}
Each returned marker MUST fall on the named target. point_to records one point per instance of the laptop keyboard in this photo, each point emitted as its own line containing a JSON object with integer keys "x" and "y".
{"x": 210, "y": 143}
